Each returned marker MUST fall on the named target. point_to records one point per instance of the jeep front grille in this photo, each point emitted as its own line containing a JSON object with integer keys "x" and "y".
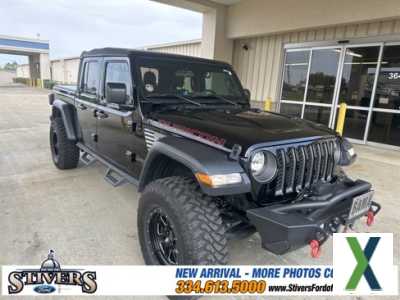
{"x": 301, "y": 166}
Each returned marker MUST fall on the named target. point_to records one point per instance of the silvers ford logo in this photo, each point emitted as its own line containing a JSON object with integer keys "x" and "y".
{"x": 51, "y": 276}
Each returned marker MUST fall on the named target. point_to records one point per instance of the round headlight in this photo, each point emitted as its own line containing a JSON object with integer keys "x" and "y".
{"x": 257, "y": 163}
{"x": 263, "y": 166}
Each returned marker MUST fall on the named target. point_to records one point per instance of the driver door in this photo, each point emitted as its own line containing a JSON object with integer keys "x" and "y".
{"x": 88, "y": 98}
{"x": 116, "y": 127}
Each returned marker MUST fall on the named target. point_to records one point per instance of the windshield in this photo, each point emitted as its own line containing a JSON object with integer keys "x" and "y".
{"x": 170, "y": 78}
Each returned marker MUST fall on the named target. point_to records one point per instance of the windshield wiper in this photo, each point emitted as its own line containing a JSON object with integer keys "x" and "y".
{"x": 175, "y": 96}
{"x": 217, "y": 97}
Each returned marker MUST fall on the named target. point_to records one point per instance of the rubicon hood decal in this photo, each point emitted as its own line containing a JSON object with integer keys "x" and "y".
{"x": 191, "y": 133}
{"x": 196, "y": 132}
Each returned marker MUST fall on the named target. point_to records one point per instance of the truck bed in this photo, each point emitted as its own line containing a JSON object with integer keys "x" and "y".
{"x": 66, "y": 89}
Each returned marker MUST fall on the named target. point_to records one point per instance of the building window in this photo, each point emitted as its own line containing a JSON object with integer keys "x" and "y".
{"x": 322, "y": 78}
{"x": 358, "y": 77}
{"x": 355, "y": 123}
{"x": 385, "y": 128}
{"x": 295, "y": 75}
{"x": 388, "y": 90}
{"x": 317, "y": 114}
{"x": 366, "y": 78}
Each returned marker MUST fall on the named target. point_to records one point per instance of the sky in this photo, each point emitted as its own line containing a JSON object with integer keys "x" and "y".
{"x": 72, "y": 26}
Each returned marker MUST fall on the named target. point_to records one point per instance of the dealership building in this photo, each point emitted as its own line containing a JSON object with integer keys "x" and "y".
{"x": 307, "y": 57}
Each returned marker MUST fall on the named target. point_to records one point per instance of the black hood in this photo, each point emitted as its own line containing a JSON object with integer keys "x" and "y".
{"x": 245, "y": 128}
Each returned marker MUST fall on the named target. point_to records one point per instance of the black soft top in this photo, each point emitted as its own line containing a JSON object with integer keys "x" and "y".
{"x": 123, "y": 52}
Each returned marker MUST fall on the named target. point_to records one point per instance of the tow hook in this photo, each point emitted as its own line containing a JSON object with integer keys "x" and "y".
{"x": 370, "y": 217}
{"x": 315, "y": 248}
{"x": 373, "y": 211}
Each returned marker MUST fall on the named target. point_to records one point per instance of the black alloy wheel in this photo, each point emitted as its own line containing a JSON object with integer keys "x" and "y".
{"x": 179, "y": 225}
{"x": 163, "y": 239}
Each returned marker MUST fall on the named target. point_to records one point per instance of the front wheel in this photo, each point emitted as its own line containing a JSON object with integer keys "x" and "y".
{"x": 178, "y": 225}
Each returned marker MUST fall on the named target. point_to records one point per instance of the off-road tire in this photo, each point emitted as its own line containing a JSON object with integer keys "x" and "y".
{"x": 194, "y": 217}
{"x": 67, "y": 154}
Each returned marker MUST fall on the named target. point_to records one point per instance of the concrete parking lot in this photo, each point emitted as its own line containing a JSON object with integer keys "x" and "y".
{"x": 87, "y": 221}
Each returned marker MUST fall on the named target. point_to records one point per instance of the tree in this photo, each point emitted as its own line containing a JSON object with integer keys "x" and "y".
{"x": 11, "y": 66}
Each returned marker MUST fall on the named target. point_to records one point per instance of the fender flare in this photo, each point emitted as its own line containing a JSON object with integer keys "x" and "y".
{"x": 198, "y": 158}
{"x": 70, "y": 119}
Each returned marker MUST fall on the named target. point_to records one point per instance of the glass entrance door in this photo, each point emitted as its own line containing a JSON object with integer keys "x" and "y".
{"x": 384, "y": 126}
{"x": 309, "y": 83}
{"x": 321, "y": 85}
{"x": 357, "y": 88}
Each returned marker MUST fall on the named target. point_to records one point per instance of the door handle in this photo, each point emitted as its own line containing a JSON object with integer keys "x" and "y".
{"x": 82, "y": 106}
{"x": 100, "y": 114}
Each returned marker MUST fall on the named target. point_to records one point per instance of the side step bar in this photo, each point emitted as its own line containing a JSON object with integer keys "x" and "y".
{"x": 87, "y": 159}
{"x": 115, "y": 176}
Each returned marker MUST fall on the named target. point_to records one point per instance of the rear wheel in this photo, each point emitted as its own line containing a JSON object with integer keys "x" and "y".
{"x": 65, "y": 153}
{"x": 178, "y": 225}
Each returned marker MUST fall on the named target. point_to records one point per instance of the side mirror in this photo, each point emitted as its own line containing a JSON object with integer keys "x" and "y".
{"x": 116, "y": 93}
{"x": 247, "y": 94}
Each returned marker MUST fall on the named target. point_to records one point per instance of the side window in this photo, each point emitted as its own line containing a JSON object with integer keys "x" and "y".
{"x": 118, "y": 72}
{"x": 91, "y": 77}
{"x": 150, "y": 79}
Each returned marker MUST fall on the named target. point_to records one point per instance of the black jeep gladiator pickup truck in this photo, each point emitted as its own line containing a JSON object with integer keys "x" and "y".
{"x": 208, "y": 166}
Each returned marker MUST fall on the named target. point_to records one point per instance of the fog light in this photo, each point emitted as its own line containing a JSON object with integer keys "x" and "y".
{"x": 347, "y": 153}
{"x": 351, "y": 152}
{"x": 219, "y": 180}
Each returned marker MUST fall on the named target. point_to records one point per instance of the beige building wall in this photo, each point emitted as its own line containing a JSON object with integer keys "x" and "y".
{"x": 215, "y": 43}
{"x": 260, "y": 67}
{"x": 57, "y": 70}
{"x": 23, "y": 71}
{"x": 189, "y": 48}
{"x": 261, "y": 17}
{"x": 71, "y": 69}
{"x": 65, "y": 70}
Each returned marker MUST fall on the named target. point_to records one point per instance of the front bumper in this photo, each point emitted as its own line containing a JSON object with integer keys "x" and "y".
{"x": 289, "y": 226}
